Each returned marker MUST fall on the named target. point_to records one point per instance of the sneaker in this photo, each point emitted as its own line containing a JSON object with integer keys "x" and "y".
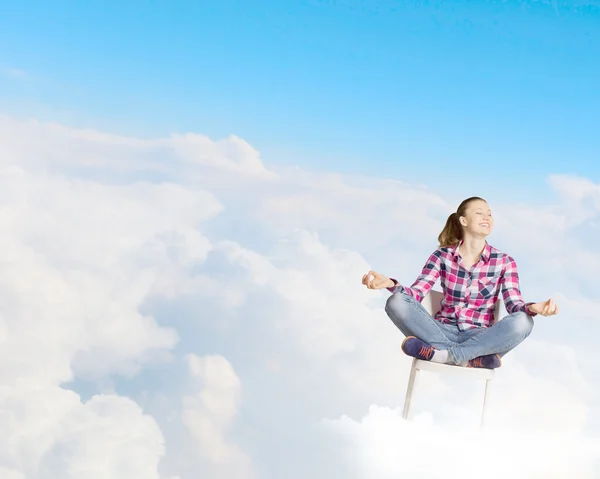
{"x": 417, "y": 349}
{"x": 489, "y": 361}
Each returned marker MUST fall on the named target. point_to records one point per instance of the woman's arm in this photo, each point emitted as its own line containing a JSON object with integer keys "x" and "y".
{"x": 513, "y": 300}
{"x": 424, "y": 282}
{"x": 511, "y": 292}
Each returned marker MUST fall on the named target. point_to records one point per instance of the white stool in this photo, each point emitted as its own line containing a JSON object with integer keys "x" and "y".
{"x": 431, "y": 303}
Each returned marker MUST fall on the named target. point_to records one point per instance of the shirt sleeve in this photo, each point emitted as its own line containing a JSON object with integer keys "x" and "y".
{"x": 424, "y": 282}
{"x": 511, "y": 292}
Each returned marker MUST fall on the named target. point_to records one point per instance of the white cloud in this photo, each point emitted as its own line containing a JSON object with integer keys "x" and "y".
{"x": 10, "y": 473}
{"x": 109, "y": 437}
{"x": 122, "y": 253}
{"x": 382, "y": 445}
{"x": 93, "y": 254}
{"x": 49, "y": 433}
{"x": 314, "y": 281}
{"x": 58, "y": 146}
{"x": 210, "y": 412}
{"x": 80, "y": 259}
{"x": 232, "y": 154}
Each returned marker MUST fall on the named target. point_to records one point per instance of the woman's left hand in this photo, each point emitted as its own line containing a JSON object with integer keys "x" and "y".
{"x": 545, "y": 308}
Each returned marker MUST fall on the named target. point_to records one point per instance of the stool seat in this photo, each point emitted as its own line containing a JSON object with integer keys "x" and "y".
{"x": 479, "y": 373}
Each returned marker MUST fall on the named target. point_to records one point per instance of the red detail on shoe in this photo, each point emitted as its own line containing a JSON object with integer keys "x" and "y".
{"x": 426, "y": 351}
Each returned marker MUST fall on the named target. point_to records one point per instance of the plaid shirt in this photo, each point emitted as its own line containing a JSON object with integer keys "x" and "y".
{"x": 470, "y": 296}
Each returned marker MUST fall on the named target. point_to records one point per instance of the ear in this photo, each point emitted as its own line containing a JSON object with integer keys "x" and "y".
{"x": 462, "y": 220}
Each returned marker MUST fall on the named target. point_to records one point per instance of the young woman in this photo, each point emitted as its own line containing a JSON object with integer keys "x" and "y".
{"x": 473, "y": 274}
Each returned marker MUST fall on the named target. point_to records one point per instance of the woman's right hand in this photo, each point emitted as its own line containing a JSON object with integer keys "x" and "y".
{"x": 373, "y": 280}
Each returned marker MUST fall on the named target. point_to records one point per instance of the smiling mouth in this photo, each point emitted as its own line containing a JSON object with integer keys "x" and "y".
{"x": 487, "y": 225}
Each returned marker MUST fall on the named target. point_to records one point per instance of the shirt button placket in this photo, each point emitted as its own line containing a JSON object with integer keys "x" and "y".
{"x": 472, "y": 286}
{"x": 469, "y": 290}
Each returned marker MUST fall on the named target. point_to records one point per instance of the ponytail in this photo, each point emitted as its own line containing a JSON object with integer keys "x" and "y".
{"x": 452, "y": 234}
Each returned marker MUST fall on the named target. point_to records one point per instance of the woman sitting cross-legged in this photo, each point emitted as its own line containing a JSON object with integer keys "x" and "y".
{"x": 473, "y": 274}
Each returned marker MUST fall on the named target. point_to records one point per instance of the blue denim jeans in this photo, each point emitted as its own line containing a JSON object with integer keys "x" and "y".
{"x": 412, "y": 319}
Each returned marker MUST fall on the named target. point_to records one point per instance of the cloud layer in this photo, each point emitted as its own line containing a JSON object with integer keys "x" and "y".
{"x": 174, "y": 307}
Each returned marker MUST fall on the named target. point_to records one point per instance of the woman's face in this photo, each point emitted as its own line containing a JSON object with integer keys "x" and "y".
{"x": 477, "y": 220}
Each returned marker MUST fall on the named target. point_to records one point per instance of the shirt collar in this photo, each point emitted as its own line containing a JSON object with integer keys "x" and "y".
{"x": 485, "y": 254}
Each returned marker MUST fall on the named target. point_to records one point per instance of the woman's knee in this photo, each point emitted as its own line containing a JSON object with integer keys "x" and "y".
{"x": 397, "y": 308}
{"x": 396, "y": 304}
{"x": 522, "y": 323}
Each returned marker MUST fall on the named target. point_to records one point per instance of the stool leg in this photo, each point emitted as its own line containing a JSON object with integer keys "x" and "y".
{"x": 409, "y": 389}
{"x": 483, "y": 410}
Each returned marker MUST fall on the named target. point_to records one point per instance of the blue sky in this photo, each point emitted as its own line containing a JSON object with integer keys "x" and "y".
{"x": 472, "y": 89}
{"x": 456, "y": 95}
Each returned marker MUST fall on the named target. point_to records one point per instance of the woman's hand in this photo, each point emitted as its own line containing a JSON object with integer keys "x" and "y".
{"x": 545, "y": 308}
{"x": 373, "y": 280}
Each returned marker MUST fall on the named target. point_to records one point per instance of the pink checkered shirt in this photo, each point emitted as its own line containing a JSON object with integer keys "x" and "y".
{"x": 470, "y": 296}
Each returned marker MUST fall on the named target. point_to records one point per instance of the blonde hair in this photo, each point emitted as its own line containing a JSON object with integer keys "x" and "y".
{"x": 452, "y": 234}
